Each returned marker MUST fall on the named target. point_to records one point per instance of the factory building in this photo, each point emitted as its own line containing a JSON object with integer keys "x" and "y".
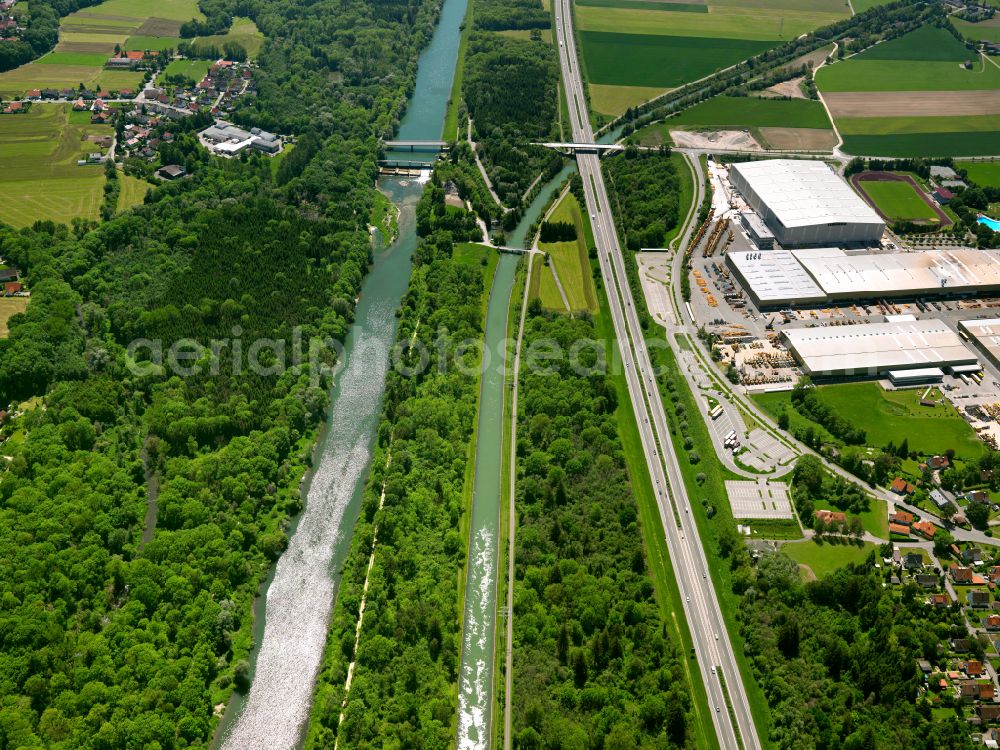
{"x": 806, "y": 204}
{"x": 985, "y": 334}
{"x": 774, "y": 279}
{"x": 878, "y": 349}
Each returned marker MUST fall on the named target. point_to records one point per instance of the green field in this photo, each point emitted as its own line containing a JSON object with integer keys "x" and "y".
{"x": 760, "y": 23}
{"x": 898, "y": 200}
{"x": 901, "y": 75}
{"x": 928, "y": 43}
{"x": 890, "y": 416}
{"x": 175, "y": 10}
{"x": 825, "y": 558}
{"x": 244, "y": 32}
{"x": 983, "y": 173}
{"x": 645, "y": 5}
{"x": 571, "y": 260}
{"x": 72, "y": 58}
{"x": 749, "y": 112}
{"x": 39, "y": 177}
{"x": 192, "y": 69}
{"x": 860, "y": 6}
{"x": 984, "y": 30}
{"x": 659, "y": 61}
{"x": 924, "y": 144}
{"x": 875, "y": 520}
{"x": 917, "y": 124}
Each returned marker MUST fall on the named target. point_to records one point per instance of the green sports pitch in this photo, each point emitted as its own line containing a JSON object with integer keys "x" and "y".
{"x": 898, "y": 200}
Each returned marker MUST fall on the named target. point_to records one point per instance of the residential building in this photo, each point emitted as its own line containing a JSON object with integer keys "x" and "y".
{"x": 960, "y": 574}
{"x": 978, "y": 599}
{"x": 925, "y": 528}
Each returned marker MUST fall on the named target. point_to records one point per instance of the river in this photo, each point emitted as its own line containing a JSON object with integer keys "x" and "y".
{"x": 291, "y": 626}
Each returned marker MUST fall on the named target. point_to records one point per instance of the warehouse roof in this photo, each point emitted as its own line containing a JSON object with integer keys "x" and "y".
{"x": 775, "y": 276}
{"x": 877, "y": 347}
{"x": 839, "y": 273}
{"x": 803, "y": 193}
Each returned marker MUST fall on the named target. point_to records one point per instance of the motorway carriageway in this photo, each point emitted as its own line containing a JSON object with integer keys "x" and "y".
{"x": 713, "y": 649}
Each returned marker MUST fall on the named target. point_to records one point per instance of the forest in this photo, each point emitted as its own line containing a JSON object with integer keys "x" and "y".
{"x": 837, "y": 659}
{"x": 407, "y": 658}
{"x": 499, "y": 15}
{"x": 505, "y": 125}
{"x": 643, "y": 187}
{"x": 594, "y": 665}
{"x": 119, "y": 634}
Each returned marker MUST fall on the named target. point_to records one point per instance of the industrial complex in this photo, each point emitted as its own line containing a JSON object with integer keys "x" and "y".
{"x": 806, "y": 204}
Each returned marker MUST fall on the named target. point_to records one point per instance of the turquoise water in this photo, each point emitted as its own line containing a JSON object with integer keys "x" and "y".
{"x": 475, "y": 680}
{"x": 991, "y": 223}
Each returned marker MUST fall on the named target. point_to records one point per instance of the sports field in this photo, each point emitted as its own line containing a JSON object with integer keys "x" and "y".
{"x": 88, "y": 37}
{"x": 655, "y": 46}
{"x": 898, "y": 200}
{"x": 983, "y": 173}
{"x": 571, "y": 260}
{"x": 914, "y": 96}
{"x": 39, "y": 176}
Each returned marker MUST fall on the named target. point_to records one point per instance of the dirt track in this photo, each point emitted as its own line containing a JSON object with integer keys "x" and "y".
{"x": 913, "y": 103}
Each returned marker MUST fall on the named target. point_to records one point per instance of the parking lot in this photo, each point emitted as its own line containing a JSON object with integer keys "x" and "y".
{"x": 759, "y": 499}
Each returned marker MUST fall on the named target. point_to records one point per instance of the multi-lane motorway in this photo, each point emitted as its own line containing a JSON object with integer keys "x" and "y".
{"x": 711, "y": 641}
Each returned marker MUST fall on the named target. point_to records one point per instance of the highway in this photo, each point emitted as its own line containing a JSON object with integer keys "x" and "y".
{"x": 713, "y": 650}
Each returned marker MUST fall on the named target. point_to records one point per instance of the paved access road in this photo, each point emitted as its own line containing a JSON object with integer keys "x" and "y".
{"x": 711, "y": 641}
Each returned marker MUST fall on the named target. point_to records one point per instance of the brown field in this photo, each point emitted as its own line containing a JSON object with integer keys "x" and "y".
{"x": 160, "y": 27}
{"x": 913, "y": 103}
{"x": 90, "y": 48}
{"x": 10, "y": 306}
{"x": 798, "y": 139}
{"x": 792, "y": 88}
{"x": 102, "y": 16}
{"x": 72, "y": 28}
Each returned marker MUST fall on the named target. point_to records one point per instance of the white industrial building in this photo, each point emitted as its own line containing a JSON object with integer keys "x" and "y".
{"x": 774, "y": 278}
{"x": 877, "y": 349}
{"x": 985, "y": 334}
{"x": 225, "y": 139}
{"x": 816, "y": 275}
{"x": 806, "y": 204}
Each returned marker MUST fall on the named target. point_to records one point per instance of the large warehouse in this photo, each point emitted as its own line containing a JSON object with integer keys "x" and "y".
{"x": 806, "y": 204}
{"x": 985, "y": 334}
{"x": 876, "y": 348}
{"x": 774, "y": 278}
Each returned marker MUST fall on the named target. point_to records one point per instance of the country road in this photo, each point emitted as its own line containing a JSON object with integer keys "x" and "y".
{"x": 701, "y": 605}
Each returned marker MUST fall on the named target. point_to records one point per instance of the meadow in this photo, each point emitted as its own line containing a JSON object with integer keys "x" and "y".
{"x": 928, "y": 43}
{"x": 903, "y": 75}
{"x": 194, "y": 70}
{"x": 984, "y": 173}
{"x": 613, "y": 100}
{"x": 39, "y": 176}
{"x": 898, "y": 200}
{"x": 984, "y": 30}
{"x": 133, "y": 191}
{"x": 916, "y": 124}
{"x": 571, "y": 258}
{"x": 889, "y": 416}
{"x": 10, "y": 306}
{"x": 243, "y": 32}
{"x": 750, "y": 112}
{"x": 669, "y": 7}
{"x": 823, "y": 558}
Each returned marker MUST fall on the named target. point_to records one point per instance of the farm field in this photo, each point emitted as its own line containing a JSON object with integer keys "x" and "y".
{"x": 667, "y": 45}
{"x": 88, "y": 37}
{"x": 39, "y": 176}
{"x": 570, "y": 258}
{"x": 245, "y": 33}
{"x": 825, "y": 558}
{"x": 889, "y": 417}
{"x": 779, "y": 123}
{"x": 984, "y": 173}
{"x": 912, "y": 96}
{"x": 10, "y": 306}
{"x": 898, "y": 200}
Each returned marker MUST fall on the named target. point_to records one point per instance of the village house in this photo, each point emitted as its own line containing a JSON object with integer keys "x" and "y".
{"x": 913, "y": 561}
{"x": 830, "y": 516}
{"x": 936, "y": 463}
{"x": 960, "y": 574}
{"x": 901, "y": 487}
{"x": 902, "y": 517}
{"x": 926, "y": 580}
{"x": 978, "y": 599}
{"x": 988, "y": 714}
{"x": 968, "y": 690}
{"x": 899, "y": 528}
{"x": 939, "y": 601}
{"x": 925, "y": 528}
{"x": 993, "y": 622}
